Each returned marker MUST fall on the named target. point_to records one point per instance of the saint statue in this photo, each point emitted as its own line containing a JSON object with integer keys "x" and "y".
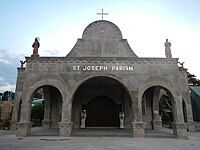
{"x": 35, "y": 46}
{"x": 168, "y": 53}
{"x": 121, "y": 119}
{"x": 83, "y": 118}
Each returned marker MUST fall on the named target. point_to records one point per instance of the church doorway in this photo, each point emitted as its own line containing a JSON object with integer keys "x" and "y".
{"x": 102, "y": 111}
{"x": 103, "y": 98}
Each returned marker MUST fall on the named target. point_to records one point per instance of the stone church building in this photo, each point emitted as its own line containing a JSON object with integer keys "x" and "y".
{"x": 103, "y": 76}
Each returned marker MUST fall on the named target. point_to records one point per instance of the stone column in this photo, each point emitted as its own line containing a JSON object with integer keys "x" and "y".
{"x": 16, "y": 109}
{"x": 138, "y": 125}
{"x": 24, "y": 126}
{"x": 184, "y": 88}
{"x": 157, "y": 121}
{"x": 190, "y": 122}
{"x": 128, "y": 112}
{"x": 66, "y": 125}
{"x": 179, "y": 127}
{"x": 46, "y": 123}
{"x": 18, "y": 95}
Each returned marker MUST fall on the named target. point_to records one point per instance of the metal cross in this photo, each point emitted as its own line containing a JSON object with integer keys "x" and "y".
{"x": 102, "y": 13}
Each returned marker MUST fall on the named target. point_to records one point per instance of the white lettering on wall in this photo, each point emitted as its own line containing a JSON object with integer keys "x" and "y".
{"x": 102, "y": 68}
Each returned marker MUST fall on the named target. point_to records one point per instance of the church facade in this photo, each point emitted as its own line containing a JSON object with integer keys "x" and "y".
{"x": 102, "y": 76}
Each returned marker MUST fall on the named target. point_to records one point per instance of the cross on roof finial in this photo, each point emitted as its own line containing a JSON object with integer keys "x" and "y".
{"x": 102, "y": 13}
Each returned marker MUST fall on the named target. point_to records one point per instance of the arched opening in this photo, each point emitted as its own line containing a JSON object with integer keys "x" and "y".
{"x": 157, "y": 108}
{"x": 46, "y": 111}
{"x": 103, "y": 98}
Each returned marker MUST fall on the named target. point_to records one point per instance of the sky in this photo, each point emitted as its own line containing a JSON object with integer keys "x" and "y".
{"x": 59, "y": 23}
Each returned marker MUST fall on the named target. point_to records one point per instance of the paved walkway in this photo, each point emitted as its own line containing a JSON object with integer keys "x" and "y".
{"x": 8, "y": 141}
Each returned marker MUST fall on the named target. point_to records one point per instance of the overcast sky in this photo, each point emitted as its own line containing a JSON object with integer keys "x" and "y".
{"x": 59, "y": 23}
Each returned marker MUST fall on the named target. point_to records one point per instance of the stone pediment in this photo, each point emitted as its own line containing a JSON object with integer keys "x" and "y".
{"x": 101, "y": 39}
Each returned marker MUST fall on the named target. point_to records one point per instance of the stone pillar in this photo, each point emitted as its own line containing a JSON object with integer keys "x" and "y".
{"x": 138, "y": 125}
{"x": 16, "y": 109}
{"x": 65, "y": 128}
{"x": 23, "y": 129}
{"x": 179, "y": 127}
{"x": 190, "y": 122}
{"x": 138, "y": 129}
{"x": 18, "y": 95}
{"x": 184, "y": 88}
{"x": 128, "y": 112}
{"x": 191, "y": 126}
{"x": 66, "y": 125}
{"x": 24, "y": 125}
{"x": 157, "y": 122}
{"x": 46, "y": 123}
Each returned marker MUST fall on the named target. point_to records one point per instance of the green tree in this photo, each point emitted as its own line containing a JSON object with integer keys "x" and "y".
{"x": 192, "y": 80}
{"x": 165, "y": 110}
{"x": 37, "y": 113}
{"x": 8, "y": 95}
{"x": 1, "y": 94}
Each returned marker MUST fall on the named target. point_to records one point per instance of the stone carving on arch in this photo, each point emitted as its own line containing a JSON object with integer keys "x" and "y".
{"x": 123, "y": 83}
{"x": 156, "y": 81}
{"x": 56, "y": 82}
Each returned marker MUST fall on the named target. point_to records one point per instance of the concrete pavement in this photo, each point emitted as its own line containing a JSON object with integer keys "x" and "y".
{"x": 8, "y": 141}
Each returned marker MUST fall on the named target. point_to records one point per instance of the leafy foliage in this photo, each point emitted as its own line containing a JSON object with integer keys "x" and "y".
{"x": 165, "y": 110}
{"x": 192, "y": 80}
{"x": 7, "y": 95}
{"x": 37, "y": 113}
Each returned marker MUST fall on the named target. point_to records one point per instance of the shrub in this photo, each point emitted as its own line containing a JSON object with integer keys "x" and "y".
{"x": 37, "y": 113}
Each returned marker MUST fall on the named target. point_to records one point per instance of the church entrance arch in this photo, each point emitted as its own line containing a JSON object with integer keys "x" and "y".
{"x": 103, "y": 98}
{"x": 46, "y": 109}
{"x": 157, "y": 107}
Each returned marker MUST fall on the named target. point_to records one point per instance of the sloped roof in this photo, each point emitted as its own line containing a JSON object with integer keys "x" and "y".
{"x": 196, "y": 89}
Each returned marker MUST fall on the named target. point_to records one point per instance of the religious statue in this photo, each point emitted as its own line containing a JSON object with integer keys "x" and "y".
{"x": 168, "y": 53}
{"x": 35, "y": 46}
{"x": 22, "y": 63}
{"x": 121, "y": 119}
{"x": 83, "y": 118}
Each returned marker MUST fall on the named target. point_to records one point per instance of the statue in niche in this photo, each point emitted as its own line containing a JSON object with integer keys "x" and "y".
{"x": 168, "y": 53}
{"x": 83, "y": 118}
{"x": 36, "y": 46}
{"x": 121, "y": 119}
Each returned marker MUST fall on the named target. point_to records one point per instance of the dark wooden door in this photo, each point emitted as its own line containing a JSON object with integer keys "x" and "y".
{"x": 102, "y": 111}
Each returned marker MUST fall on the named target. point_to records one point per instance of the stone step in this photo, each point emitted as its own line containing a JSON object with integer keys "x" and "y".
{"x": 197, "y": 126}
{"x": 102, "y": 132}
{"x": 118, "y": 133}
{"x": 159, "y": 136}
{"x": 100, "y": 135}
